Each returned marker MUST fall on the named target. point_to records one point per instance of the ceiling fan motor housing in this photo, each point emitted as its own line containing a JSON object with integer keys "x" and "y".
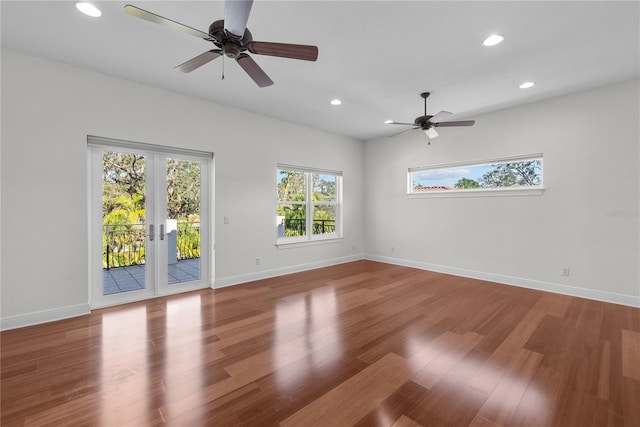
{"x": 230, "y": 45}
{"x": 423, "y": 122}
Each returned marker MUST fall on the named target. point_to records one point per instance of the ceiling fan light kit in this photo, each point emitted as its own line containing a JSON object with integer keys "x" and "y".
{"x": 232, "y": 39}
{"x": 431, "y": 133}
{"x": 427, "y": 123}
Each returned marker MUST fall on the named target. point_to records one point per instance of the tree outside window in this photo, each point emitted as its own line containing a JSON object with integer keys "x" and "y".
{"x": 508, "y": 173}
{"x": 308, "y": 203}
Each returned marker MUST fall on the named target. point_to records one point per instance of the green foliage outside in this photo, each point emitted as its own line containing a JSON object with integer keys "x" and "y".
{"x": 124, "y": 207}
{"x": 188, "y": 240}
{"x": 123, "y": 245}
{"x": 513, "y": 174}
{"x": 183, "y": 189}
{"x": 467, "y": 183}
{"x": 292, "y": 201}
{"x": 292, "y": 188}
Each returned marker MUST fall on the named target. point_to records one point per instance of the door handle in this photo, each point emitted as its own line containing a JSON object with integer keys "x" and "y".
{"x": 161, "y": 231}
{"x": 151, "y": 232}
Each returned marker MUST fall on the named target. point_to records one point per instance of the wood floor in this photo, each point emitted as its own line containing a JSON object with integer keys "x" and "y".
{"x": 364, "y": 343}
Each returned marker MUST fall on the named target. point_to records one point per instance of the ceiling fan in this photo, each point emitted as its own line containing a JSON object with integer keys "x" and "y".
{"x": 232, "y": 39}
{"x": 428, "y": 123}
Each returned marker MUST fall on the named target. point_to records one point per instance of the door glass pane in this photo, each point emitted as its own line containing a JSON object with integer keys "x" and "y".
{"x": 183, "y": 220}
{"x": 123, "y": 222}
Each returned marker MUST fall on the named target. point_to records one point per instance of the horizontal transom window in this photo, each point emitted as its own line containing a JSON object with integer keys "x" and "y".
{"x": 514, "y": 173}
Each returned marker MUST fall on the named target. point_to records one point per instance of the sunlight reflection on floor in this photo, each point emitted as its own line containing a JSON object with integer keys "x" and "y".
{"x": 318, "y": 310}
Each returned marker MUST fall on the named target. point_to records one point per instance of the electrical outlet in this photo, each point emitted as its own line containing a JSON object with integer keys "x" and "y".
{"x": 258, "y": 261}
{"x": 565, "y": 271}
{"x": 226, "y": 220}
{"x": 393, "y": 249}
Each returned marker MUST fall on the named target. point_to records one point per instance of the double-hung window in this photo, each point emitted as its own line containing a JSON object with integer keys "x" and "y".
{"x": 309, "y": 203}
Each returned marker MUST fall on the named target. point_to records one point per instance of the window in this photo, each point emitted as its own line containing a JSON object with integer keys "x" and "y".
{"x": 516, "y": 173}
{"x": 308, "y": 206}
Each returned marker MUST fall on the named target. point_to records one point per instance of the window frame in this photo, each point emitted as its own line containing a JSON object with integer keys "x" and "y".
{"x": 310, "y": 237}
{"x": 533, "y": 190}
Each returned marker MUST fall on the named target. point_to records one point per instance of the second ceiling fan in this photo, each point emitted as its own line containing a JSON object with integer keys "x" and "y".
{"x": 429, "y": 123}
{"x": 232, "y": 39}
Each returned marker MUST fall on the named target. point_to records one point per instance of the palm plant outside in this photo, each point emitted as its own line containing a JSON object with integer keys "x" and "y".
{"x": 124, "y": 207}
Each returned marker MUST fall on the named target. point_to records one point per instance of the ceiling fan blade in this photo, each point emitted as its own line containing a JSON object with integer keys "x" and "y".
{"x": 439, "y": 116}
{"x": 452, "y": 124}
{"x": 284, "y": 50}
{"x": 399, "y": 123}
{"x": 199, "y": 61}
{"x": 401, "y": 132}
{"x": 255, "y": 72}
{"x": 157, "y": 19}
{"x": 431, "y": 133}
{"x": 236, "y": 15}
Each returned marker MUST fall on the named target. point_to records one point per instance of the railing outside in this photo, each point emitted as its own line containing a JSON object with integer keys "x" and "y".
{"x": 298, "y": 227}
{"x": 123, "y": 245}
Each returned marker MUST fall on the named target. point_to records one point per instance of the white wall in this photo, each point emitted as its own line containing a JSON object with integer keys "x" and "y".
{"x": 48, "y": 109}
{"x": 590, "y": 142}
{"x": 587, "y": 218}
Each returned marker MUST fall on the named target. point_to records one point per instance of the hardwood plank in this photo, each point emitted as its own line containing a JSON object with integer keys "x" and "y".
{"x": 478, "y": 421}
{"x": 405, "y": 421}
{"x": 506, "y": 396}
{"x": 631, "y": 354}
{"x": 442, "y": 360}
{"x": 394, "y": 406}
{"x": 447, "y": 404}
{"x": 214, "y": 412}
{"x": 365, "y": 390}
{"x": 486, "y": 378}
{"x": 536, "y": 408}
{"x": 362, "y": 343}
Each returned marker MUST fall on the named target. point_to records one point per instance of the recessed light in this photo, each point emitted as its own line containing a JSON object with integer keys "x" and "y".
{"x": 493, "y": 40}
{"x": 336, "y": 102}
{"x": 88, "y": 9}
{"x": 526, "y": 85}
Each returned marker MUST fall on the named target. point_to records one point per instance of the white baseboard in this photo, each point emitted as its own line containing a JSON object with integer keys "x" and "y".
{"x": 266, "y": 274}
{"x": 44, "y": 316}
{"x": 557, "y": 288}
{"x": 35, "y": 318}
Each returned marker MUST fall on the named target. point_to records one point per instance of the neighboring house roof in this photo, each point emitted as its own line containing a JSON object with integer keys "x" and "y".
{"x": 432, "y": 188}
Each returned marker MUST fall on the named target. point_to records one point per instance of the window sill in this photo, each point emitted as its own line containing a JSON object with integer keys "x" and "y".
{"x": 486, "y": 192}
{"x": 283, "y": 244}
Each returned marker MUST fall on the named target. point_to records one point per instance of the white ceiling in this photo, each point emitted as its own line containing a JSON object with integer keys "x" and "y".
{"x": 375, "y": 56}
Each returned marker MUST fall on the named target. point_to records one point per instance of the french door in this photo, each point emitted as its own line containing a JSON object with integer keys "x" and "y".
{"x": 149, "y": 221}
